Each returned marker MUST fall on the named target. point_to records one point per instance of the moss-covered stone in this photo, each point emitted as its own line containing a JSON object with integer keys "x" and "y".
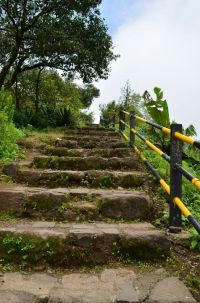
{"x": 104, "y": 152}
{"x": 136, "y": 250}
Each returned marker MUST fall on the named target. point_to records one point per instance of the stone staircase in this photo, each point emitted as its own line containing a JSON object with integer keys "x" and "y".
{"x": 80, "y": 203}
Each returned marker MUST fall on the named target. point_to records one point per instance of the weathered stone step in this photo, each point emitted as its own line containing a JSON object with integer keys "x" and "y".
{"x": 109, "y": 286}
{"x": 68, "y": 245}
{"x": 92, "y": 139}
{"x": 88, "y": 130}
{"x": 105, "y": 152}
{"x": 99, "y": 137}
{"x": 79, "y": 204}
{"x": 65, "y": 178}
{"x": 86, "y": 163}
{"x": 91, "y": 143}
{"x": 104, "y": 133}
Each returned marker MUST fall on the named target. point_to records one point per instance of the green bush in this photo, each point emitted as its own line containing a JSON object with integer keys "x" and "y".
{"x": 9, "y": 134}
{"x": 49, "y": 117}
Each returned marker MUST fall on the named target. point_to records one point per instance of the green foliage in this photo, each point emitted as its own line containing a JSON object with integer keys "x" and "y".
{"x": 86, "y": 118}
{"x": 190, "y": 131}
{"x": 195, "y": 243}
{"x": 66, "y": 35}
{"x": 9, "y": 134}
{"x": 191, "y": 160}
{"x": 23, "y": 249}
{"x": 109, "y": 109}
{"x": 158, "y": 109}
{"x": 56, "y": 102}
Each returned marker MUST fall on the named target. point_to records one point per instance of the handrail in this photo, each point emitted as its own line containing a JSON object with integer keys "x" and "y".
{"x": 176, "y": 170}
{"x": 176, "y": 200}
{"x": 167, "y": 131}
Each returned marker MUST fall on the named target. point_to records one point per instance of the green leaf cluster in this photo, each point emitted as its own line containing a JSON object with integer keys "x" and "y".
{"x": 158, "y": 109}
{"x": 9, "y": 134}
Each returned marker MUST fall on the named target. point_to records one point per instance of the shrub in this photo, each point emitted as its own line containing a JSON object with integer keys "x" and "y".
{"x": 9, "y": 134}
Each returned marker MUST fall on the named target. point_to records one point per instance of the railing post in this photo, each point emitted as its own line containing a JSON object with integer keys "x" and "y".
{"x": 124, "y": 119}
{"x": 132, "y": 125}
{"x": 175, "y": 221}
{"x": 120, "y": 118}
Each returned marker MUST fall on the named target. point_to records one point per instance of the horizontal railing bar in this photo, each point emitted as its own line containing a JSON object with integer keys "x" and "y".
{"x": 124, "y": 123}
{"x": 176, "y": 200}
{"x": 125, "y": 136}
{"x": 154, "y": 171}
{"x": 160, "y": 127}
{"x": 127, "y": 113}
{"x": 186, "y": 174}
{"x": 187, "y": 139}
{"x": 166, "y": 130}
{"x": 152, "y": 146}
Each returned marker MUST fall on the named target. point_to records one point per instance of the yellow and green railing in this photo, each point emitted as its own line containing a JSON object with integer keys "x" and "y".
{"x": 176, "y": 205}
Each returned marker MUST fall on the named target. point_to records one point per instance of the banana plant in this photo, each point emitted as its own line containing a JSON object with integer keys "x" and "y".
{"x": 158, "y": 109}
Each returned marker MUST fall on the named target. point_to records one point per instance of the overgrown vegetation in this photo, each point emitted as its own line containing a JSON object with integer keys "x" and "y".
{"x": 9, "y": 134}
{"x": 157, "y": 111}
{"x": 45, "y": 99}
{"x": 45, "y": 46}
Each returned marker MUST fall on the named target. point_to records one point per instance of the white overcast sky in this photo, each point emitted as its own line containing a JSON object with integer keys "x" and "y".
{"x": 159, "y": 44}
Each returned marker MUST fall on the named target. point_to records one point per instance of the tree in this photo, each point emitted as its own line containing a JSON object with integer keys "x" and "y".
{"x": 66, "y": 35}
{"x": 126, "y": 93}
{"x": 38, "y": 87}
{"x": 88, "y": 93}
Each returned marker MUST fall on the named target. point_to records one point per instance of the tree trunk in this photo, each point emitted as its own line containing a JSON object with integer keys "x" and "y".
{"x": 6, "y": 68}
{"x": 3, "y": 73}
{"x": 16, "y": 72}
{"x": 37, "y": 90}
{"x": 17, "y": 103}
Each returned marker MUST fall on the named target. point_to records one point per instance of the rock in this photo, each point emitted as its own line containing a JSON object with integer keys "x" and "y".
{"x": 11, "y": 169}
{"x": 90, "y": 178}
{"x": 126, "y": 293}
{"x": 126, "y": 206}
{"x": 124, "y": 281}
{"x": 98, "y": 295}
{"x": 66, "y": 143}
{"x": 171, "y": 290}
{"x": 10, "y": 296}
{"x": 37, "y": 284}
{"x": 11, "y": 200}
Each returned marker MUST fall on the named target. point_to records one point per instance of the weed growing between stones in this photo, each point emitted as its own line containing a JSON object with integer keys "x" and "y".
{"x": 128, "y": 249}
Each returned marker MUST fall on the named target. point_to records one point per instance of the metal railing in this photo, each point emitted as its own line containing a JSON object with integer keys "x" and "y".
{"x": 176, "y": 205}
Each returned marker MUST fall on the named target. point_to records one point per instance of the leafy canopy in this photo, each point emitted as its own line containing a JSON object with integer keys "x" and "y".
{"x": 66, "y": 35}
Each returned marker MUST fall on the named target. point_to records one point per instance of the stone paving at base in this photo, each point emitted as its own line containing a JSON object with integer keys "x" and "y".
{"x": 118, "y": 285}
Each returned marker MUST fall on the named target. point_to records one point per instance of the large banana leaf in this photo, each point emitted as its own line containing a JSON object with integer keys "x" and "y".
{"x": 158, "y": 109}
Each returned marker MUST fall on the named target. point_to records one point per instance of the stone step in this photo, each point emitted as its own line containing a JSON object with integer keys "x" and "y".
{"x": 105, "y": 152}
{"x": 79, "y": 204}
{"x": 80, "y": 137}
{"x": 92, "y": 139}
{"x": 86, "y": 163}
{"x": 74, "y": 245}
{"x": 66, "y": 178}
{"x": 92, "y": 134}
{"x": 112, "y": 285}
{"x": 85, "y": 130}
{"x": 91, "y": 143}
